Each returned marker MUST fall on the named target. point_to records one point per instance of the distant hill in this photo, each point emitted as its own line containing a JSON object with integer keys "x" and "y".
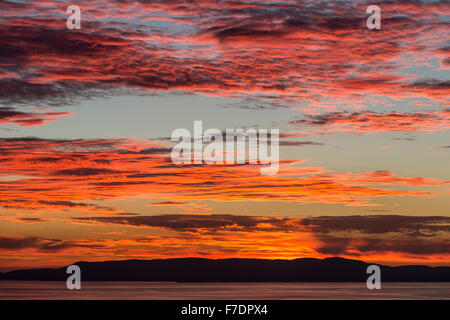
{"x": 235, "y": 270}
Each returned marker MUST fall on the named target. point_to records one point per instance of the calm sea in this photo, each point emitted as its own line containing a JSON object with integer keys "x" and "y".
{"x": 36, "y": 290}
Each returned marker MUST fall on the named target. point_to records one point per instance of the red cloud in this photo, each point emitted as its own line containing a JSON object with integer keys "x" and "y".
{"x": 69, "y": 174}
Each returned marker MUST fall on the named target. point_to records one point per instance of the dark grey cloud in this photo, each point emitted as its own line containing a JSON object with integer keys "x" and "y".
{"x": 32, "y": 220}
{"x": 19, "y": 243}
{"x": 408, "y": 226}
{"x": 359, "y": 246}
{"x": 85, "y": 172}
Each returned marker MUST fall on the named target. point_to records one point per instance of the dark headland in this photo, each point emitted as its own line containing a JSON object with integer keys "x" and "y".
{"x": 235, "y": 270}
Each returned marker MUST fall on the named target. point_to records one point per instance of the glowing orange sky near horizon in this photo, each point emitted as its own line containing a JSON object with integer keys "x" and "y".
{"x": 85, "y": 116}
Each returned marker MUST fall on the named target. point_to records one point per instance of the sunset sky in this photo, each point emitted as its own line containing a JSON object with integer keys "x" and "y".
{"x": 86, "y": 118}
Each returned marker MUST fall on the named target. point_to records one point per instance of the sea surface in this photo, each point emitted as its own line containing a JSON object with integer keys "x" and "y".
{"x": 40, "y": 290}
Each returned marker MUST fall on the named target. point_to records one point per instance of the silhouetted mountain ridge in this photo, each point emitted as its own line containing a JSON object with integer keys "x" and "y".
{"x": 235, "y": 270}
